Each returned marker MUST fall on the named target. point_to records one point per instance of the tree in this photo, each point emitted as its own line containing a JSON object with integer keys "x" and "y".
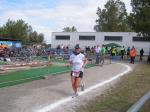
{"x": 15, "y": 30}
{"x": 112, "y": 18}
{"x": 40, "y": 38}
{"x": 34, "y": 37}
{"x": 140, "y": 16}
{"x": 21, "y": 31}
{"x": 70, "y": 29}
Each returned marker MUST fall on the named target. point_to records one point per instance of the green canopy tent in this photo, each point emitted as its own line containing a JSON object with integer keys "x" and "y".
{"x": 112, "y": 45}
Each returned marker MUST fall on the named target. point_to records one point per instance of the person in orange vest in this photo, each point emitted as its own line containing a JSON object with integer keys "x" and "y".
{"x": 132, "y": 55}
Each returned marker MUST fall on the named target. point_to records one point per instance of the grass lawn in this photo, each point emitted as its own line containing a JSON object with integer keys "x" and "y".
{"x": 45, "y": 58}
{"x": 146, "y": 107}
{"x": 17, "y": 77}
{"x": 125, "y": 93}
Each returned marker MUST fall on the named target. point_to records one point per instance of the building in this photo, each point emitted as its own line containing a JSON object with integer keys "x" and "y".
{"x": 98, "y": 38}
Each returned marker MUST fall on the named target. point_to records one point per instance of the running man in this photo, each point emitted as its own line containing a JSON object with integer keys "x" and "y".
{"x": 77, "y": 61}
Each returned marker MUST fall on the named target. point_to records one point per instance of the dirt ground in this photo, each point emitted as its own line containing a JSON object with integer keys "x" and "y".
{"x": 32, "y": 96}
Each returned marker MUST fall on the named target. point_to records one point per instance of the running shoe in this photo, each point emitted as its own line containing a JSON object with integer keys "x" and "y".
{"x": 75, "y": 95}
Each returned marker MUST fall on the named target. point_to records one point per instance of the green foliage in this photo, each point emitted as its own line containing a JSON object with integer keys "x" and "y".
{"x": 70, "y": 29}
{"x": 21, "y": 31}
{"x": 112, "y": 18}
{"x": 140, "y": 16}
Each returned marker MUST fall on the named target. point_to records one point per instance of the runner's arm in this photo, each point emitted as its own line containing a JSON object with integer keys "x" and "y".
{"x": 69, "y": 63}
{"x": 85, "y": 62}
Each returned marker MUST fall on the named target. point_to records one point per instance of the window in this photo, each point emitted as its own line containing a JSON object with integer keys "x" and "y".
{"x": 92, "y": 38}
{"x": 113, "y": 38}
{"x": 141, "y": 39}
{"x": 62, "y": 37}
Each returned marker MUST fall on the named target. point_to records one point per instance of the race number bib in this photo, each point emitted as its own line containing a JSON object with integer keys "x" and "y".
{"x": 75, "y": 74}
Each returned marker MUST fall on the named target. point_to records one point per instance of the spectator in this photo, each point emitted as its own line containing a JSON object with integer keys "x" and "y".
{"x": 141, "y": 55}
{"x": 88, "y": 51}
{"x": 132, "y": 55}
{"x": 122, "y": 52}
{"x": 102, "y": 54}
{"x": 62, "y": 46}
{"x": 128, "y": 52}
{"x": 58, "y": 47}
{"x": 97, "y": 51}
{"x": 113, "y": 52}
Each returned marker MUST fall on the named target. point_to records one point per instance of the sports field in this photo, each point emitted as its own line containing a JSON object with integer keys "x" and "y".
{"x": 22, "y": 76}
{"x": 54, "y": 93}
{"x": 35, "y": 95}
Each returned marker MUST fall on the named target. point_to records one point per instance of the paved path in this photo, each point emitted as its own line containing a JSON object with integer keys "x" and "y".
{"x": 34, "y": 96}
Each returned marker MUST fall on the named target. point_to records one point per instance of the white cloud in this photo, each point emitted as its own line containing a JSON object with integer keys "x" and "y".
{"x": 47, "y": 20}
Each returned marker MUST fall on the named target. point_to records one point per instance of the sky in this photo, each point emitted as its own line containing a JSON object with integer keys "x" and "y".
{"x": 47, "y": 16}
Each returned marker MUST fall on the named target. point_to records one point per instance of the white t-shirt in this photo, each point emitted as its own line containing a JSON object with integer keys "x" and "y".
{"x": 97, "y": 49}
{"x": 77, "y": 62}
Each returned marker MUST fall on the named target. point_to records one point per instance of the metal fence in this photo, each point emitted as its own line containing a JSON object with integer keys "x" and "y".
{"x": 140, "y": 103}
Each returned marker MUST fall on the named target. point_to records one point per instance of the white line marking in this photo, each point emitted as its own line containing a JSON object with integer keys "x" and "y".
{"x": 65, "y": 100}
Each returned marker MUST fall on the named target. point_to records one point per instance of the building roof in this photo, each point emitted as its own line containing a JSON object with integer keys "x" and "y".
{"x": 8, "y": 39}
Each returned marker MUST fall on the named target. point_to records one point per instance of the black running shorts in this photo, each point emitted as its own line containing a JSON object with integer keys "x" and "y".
{"x": 80, "y": 74}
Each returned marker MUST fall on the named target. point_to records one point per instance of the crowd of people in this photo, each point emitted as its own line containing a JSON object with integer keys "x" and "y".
{"x": 24, "y": 51}
{"x": 100, "y": 53}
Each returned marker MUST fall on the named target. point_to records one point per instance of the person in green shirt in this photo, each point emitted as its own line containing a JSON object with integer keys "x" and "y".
{"x": 113, "y": 53}
{"x": 122, "y": 51}
{"x": 103, "y": 53}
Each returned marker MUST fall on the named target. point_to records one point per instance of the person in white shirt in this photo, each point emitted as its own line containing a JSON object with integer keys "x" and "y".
{"x": 97, "y": 52}
{"x": 77, "y": 60}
